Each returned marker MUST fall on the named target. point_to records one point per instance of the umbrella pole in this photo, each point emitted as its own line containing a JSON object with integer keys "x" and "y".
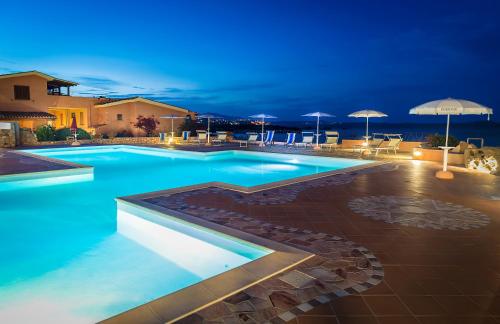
{"x": 366, "y": 138}
{"x": 208, "y": 128}
{"x": 262, "y": 134}
{"x": 317, "y": 133}
{"x": 445, "y": 156}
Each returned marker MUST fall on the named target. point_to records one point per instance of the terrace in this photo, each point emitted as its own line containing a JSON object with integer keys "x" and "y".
{"x": 385, "y": 243}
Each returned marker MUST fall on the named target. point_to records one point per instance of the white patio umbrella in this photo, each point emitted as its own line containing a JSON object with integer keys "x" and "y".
{"x": 367, "y": 114}
{"x": 263, "y": 117}
{"x": 208, "y": 117}
{"x": 450, "y": 107}
{"x": 317, "y": 114}
{"x": 172, "y": 117}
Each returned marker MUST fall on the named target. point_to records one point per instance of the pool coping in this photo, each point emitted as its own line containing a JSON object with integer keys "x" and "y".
{"x": 191, "y": 299}
{"x": 75, "y": 168}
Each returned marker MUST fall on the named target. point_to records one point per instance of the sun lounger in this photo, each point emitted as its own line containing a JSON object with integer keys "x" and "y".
{"x": 307, "y": 139}
{"x": 162, "y": 137}
{"x": 290, "y": 139}
{"x": 269, "y": 140}
{"x": 185, "y": 136}
{"x": 221, "y": 138}
{"x": 332, "y": 140}
{"x": 202, "y": 136}
{"x": 252, "y": 139}
{"x": 393, "y": 145}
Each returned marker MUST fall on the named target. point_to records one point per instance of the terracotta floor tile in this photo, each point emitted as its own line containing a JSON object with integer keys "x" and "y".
{"x": 350, "y": 305}
{"x": 423, "y": 305}
{"x": 386, "y": 305}
{"x": 457, "y": 320}
{"x": 357, "y": 320}
{"x": 380, "y": 289}
{"x": 397, "y": 320}
{"x": 317, "y": 320}
{"x": 460, "y": 305}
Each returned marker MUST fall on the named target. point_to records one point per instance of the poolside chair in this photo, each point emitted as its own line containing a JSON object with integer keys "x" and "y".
{"x": 162, "y": 137}
{"x": 307, "y": 139}
{"x": 269, "y": 138}
{"x": 221, "y": 138}
{"x": 185, "y": 136}
{"x": 202, "y": 136}
{"x": 252, "y": 139}
{"x": 332, "y": 140}
{"x": 290, "y": 139}
{"x": 393, "y": 145}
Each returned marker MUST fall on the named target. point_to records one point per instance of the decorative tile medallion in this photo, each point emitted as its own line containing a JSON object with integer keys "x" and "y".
{"x": 339, "y": 267}
{"x": 419, "y": 212}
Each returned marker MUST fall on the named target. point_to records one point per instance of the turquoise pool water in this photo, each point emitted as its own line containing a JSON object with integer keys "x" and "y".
{"x": 65, "y": 256}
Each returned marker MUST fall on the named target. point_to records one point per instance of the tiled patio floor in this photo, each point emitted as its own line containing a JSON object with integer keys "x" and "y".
{"x": 431, "y": 275}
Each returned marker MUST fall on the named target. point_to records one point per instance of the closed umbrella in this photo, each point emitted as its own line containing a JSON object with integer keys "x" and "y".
{"x": 208, "y": 117}
{"x": 367, "y": 114}
{"x": 172, "y": 117}
{"x": 317, "y": 114}
{"x": 450, "y": 107}
{"x": 74, "y": 129}
{"x": 263, "y": 118}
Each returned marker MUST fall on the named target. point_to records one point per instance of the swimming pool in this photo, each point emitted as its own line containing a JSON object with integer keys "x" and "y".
{"x": 67, "y": 256}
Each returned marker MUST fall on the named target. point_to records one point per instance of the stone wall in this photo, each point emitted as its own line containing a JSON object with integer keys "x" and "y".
{"x": 7, "y": 135}
{"x": 109, "y": 141}
{"x": 485, "y": 159}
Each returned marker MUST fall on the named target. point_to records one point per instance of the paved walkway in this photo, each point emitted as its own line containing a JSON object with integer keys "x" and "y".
{"x": 443, "y": 274}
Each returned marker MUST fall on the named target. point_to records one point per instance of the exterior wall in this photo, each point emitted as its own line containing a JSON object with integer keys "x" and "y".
{"x": 405, "y": 146}
{"x": 130, "y": 111}
{"x": 437, "y": 155}
{"x": 41, "y": 101}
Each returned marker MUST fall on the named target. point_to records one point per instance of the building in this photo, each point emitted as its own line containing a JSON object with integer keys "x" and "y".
{"x": 34, "y": 98}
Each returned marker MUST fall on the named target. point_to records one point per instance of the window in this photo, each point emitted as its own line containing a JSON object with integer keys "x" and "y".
{"x": 119, "y": 117}
{"x": 81, "y": 117}
{"x": 73, "y": 115}
{"x": 61, "y": 119}
{"x": 21, "y": 92}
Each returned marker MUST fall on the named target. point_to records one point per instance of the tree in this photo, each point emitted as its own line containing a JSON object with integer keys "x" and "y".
{"x": 147, "y": 124}
{"x": 190, "y": 125}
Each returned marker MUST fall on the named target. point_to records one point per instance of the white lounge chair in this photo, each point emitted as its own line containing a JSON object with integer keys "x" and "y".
{"x": 307, "y": 139}
{"x": 252, "y": 139}
{"x": 202, "y": 136}
{"x": 221, "y": 138}
{"x": 332, "y": 140}
{"x": 393, "y": 145}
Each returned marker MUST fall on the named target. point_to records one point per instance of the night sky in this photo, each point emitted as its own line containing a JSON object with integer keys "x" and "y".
{"x": 280, "y": 57}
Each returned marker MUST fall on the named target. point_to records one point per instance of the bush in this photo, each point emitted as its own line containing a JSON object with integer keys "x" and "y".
{"x": 437, "y": 140}
{"x": 124, "y": 133}
{"x": 45, "y": 133}
{"x": 63, "y": 133}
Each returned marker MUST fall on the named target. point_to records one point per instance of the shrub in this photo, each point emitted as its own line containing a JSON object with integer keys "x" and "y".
{"x": 45, "y": 133}
{"x": 124, "y": 133}
{"x": 147, "y": 124}
{"x": 63, "y": 133}
{"x": 437, "y": 140}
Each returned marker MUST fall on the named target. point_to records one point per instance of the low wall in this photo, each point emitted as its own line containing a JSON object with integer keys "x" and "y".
{"x": 108, "y": 141}
{"x": 428, "y": 154}
{"x": 403, "y": 147}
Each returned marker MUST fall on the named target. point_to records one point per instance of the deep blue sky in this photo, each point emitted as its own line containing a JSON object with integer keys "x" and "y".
{"x": 281, "y": 57}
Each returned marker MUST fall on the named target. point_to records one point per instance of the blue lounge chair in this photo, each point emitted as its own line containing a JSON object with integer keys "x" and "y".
{"x": 269, "y": 138}
{"x": 185, "y": 136}
{"x": 290, "y": 139}
{"x": 162, "y": 137}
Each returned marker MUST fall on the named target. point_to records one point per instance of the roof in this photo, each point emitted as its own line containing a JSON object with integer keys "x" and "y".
{"x": 13, "y": 115}
{"x": 47, "y": 77}
{"x": 115, "y": 102}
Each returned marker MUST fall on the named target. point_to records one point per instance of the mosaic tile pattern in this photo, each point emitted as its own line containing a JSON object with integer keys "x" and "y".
{"x": 339, "y": 267}
{"x": 289, "y": 193}
{"x": 419, "y": 212}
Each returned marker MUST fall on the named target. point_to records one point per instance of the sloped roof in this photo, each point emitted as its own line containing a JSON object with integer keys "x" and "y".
{"x": 115, "y": 102}
{"x": 40, "y": 74}
{"x": 14, "y": 115}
